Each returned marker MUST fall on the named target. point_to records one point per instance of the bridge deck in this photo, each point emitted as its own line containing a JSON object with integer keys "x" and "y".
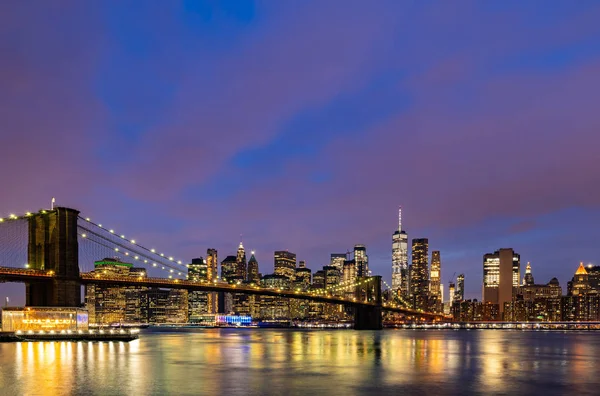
{"x": 28, "y": 275}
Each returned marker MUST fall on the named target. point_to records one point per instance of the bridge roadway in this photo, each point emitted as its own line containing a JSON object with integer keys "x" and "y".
{"x": 11, "y": 274}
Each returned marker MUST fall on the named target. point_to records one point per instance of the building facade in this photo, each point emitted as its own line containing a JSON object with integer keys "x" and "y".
{"x": 419, "y": 281}
{"x": 400, "y": 275}
{"x": 285, "y": 264}
{"x": 362, "y": 261}
{"x": 435, "y": 289}
{"x": 501, "y": 275}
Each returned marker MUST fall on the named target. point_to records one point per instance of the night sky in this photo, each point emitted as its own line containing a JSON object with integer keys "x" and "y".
{"x": 303, "y": 125}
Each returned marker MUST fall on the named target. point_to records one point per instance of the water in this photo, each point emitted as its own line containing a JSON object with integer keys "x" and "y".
{"x": 291, "y": 362}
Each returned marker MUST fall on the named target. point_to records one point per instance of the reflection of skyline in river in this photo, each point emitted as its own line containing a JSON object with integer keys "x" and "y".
{"x": 229, "y": 361}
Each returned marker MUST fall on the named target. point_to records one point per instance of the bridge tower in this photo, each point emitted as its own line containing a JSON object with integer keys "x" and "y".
{"x": 369, "y": 317}
{"x": 53, "y": 247}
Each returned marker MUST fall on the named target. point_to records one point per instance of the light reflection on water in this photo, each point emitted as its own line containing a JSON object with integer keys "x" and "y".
{"x": 279, "y": 362}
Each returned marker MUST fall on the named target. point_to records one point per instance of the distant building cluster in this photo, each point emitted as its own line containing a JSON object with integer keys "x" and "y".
{"x": 109, "y": 305}
{"x": 416, "y": 283}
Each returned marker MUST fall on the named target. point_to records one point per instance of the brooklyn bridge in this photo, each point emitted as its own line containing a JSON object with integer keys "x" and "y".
{"x": 52, "y": 252}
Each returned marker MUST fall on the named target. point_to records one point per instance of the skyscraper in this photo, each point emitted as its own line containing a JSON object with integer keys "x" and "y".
{"x": 400, "y": 279}
{"x": 253, "y": 270}
{"x": 337, "y": 261}
{"x": 212, "y": 264}
{"x": 212, "y": 272}
{"x": 229, "y": 269}
{"x": 501, "y": 273}
{"x": 419, "y": 282}
{"x": 285, "y": 264}
{"x": 241, "y": 266}
{"x": 198, "y": 301}
{"x": 528, "y": 278}
{"x": 362, "y": 261}
{"x": 459, "y": 295}
{"x": 434, "y": 276}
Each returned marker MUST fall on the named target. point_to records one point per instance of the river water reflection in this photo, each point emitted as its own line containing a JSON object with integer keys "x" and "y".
{"x": 291, "y": 362}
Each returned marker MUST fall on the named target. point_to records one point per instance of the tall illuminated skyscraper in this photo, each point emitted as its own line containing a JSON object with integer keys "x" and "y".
{"x": 241, "y": 266}
{"x": 285, "y": 264}
{"x": 253, "y": 270}
{"x": 435, "y": 290}
{"x": 400, "y": 275}
{"x": 528, "y": 278}
{"x": 212, "y": 272}
{"x": 212, "y": 264}
{"x": 501, "y": 273}
{"x": 460, "y": 288}
{"x": 337, "y": 261}
{"x": 419, "y": 276}
{"x": 362, "y": 261}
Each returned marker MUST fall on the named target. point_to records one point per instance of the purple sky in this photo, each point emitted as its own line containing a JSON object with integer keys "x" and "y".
{"x": 303, "y": 126}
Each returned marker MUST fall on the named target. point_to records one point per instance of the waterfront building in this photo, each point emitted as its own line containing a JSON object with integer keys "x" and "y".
{"x": 435, "y": 291}
{"x": 253, "y": 273}
{"x": 419, "y": 281}
{"x": 400, "y": 274}
{"x": 532, "y": 291}
{"x": 285, "y": 264}
{"x": 212, "y": 267}
{"x": 114, "y": 304}
{"x": 362, "y": 261}
{"x": 337, "y": 260}
{"x": 501, "y": 274}
{"x": 44, "y": 319}
{"x": 475, "y": 311}
{"x": 272, "y": 307}
{"x": 164, "y": 306}
{"x": 198, "y": 301}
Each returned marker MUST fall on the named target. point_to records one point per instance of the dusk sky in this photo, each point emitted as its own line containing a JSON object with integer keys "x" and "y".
{"x": 303, "y": 125}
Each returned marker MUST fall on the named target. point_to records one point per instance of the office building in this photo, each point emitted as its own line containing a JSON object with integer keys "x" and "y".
{"x": 109, "y": 304}
{"x": 451, "y": 292}
{"x": 528, "y": 278}
{"x": 501, "y": 275}
{"x": 337, "y": 260}
{"x": 198, "y": 301}
{"x": 229, "y": 269}
{"x": 319, "y": 280}
{"x": 419, "y": 281}
{"x": 164, "y": 306}
{"x": 400, "y": 275}
{"x": 212, "y": 268}
{"x": 285, "y": 264}
{"x": 435, "y": 290}
{"x": 253, "y": 273}
{"x": 272, "y": 307}
{"x": 459, "y": 294}
{"x": 240, "y": 263}
{"x": 362, "y": 261}
{"x": 303, "y": 278}
{"x": 332, "y": 276}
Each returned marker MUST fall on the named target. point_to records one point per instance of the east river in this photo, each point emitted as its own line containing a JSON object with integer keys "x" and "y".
{"x": 317, "y": 362}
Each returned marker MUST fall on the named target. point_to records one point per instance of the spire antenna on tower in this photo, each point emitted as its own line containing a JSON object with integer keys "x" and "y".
{"x": 400, "y": 219}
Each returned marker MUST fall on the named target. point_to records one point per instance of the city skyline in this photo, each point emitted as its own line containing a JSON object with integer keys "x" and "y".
{"x": 249, "y": 127}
